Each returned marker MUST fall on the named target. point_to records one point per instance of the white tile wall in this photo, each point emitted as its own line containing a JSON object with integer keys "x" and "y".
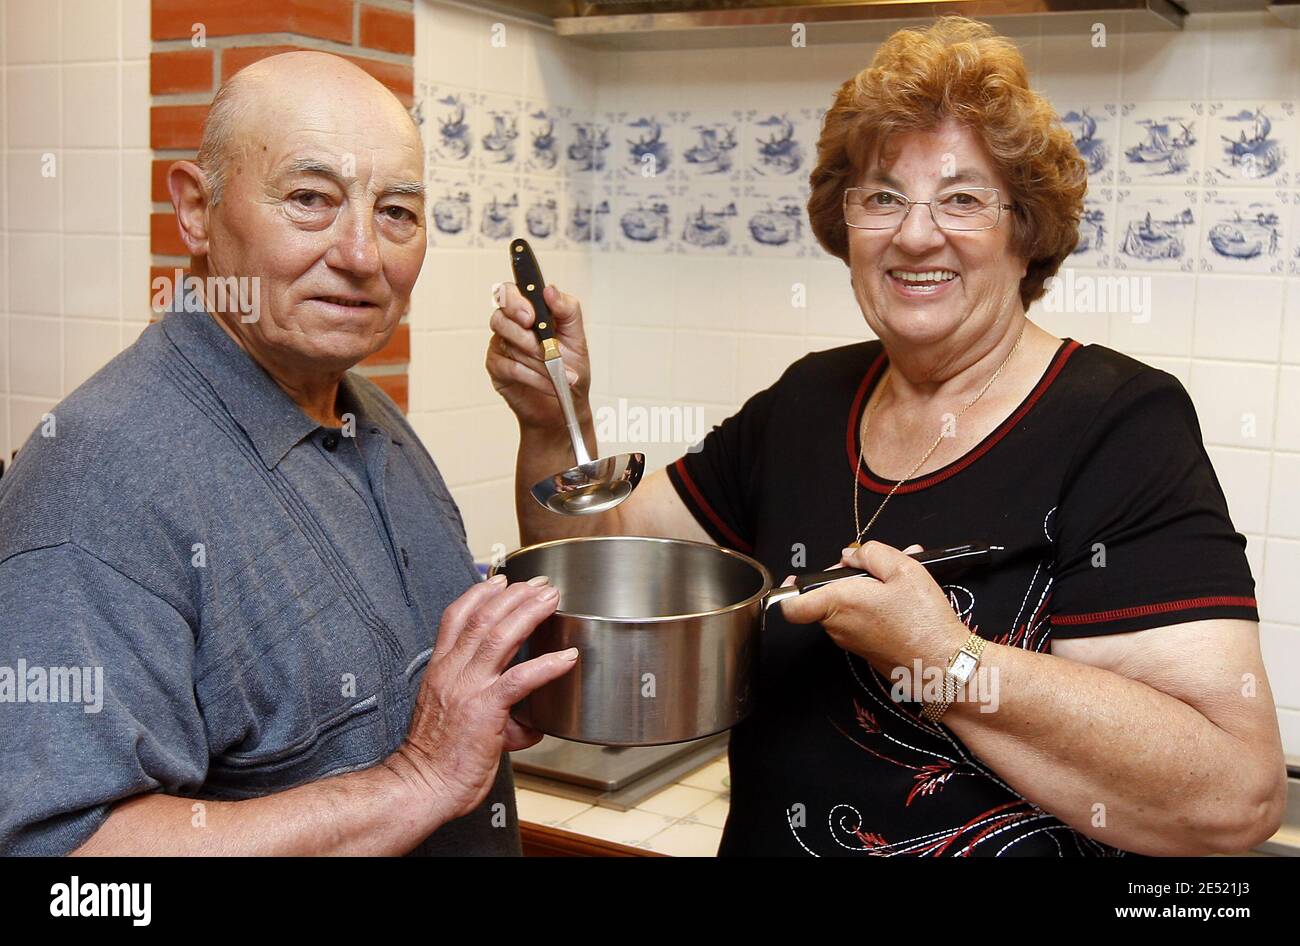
{"x": 1291, "y": 327}
{"x": 1240, "y": 474}
{"x": 1288, "y": 399}
{"x": 695, "y": 328}
{"x": 1284, "y": 511}
{"x": 1235, "y": 401}
{"x": 1254, "y": 333}
{"x": 74, "y": 215}
{"x": 1169, "y": 329}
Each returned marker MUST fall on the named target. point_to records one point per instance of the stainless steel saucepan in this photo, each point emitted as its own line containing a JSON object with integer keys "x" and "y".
{"x": 667, "y": 633}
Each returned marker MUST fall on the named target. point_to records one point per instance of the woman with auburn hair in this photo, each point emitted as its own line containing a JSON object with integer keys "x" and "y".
{"x": 1098, "y": 688}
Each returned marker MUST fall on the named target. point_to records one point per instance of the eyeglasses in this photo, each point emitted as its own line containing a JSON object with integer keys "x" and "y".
{"x": 965, "y": 208}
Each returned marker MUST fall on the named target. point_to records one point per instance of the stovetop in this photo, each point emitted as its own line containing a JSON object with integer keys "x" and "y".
{"x": 611, "y": 776}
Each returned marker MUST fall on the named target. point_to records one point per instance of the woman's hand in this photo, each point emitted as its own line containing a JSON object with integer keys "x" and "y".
{"x": 514, "y": 356}
{"x": 889, "y": 622}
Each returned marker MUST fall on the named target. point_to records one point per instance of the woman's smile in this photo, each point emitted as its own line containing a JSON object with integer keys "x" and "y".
{"x": 921, "y": 284}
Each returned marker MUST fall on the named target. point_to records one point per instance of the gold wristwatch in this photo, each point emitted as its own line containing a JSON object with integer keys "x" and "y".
{"x": 960, "y": 669}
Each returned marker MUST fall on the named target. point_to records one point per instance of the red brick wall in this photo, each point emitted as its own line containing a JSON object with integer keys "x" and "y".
{"x": 379, "y": 36}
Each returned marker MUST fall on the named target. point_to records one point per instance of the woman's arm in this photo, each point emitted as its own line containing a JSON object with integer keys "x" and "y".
{"x": 1160, "y": 742}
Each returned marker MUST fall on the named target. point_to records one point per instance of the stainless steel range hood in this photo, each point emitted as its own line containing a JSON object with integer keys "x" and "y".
{"x": 671, "y": 24}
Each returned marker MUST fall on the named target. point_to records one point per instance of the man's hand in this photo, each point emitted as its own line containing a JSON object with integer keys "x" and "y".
{"x": 462, "y": 723}
{"x": 514, "y": 356}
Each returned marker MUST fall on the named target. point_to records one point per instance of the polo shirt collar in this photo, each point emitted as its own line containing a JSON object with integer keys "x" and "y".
{"x": 273, "y": 422}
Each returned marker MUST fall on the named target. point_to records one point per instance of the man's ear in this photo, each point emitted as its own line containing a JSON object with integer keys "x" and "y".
{"x": 188, "y": 186}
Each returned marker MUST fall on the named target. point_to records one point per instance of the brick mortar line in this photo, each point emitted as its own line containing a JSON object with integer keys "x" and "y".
{"x": 27, "y": 151}
{"x": 115, "y": 234}
{"x": 205, "y": 97}
{"x": 284, "y": 39}
{"x": 181, "y": 98}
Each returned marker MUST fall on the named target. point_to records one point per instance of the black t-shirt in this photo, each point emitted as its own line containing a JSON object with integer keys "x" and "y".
{"x": 1099, "y": 486}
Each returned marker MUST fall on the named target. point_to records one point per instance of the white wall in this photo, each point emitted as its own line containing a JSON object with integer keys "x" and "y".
{"x": 74, "y": 255}
{"x": 697, "y": 327}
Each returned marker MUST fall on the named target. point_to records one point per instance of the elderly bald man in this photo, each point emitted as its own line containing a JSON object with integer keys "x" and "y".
{"x": 245, "y": 552}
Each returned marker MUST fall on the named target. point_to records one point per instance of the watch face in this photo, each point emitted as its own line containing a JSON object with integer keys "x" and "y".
{"x": 963, "y": 667}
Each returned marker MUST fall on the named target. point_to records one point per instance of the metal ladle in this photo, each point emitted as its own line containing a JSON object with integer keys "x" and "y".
{"x": 594, "y": 485}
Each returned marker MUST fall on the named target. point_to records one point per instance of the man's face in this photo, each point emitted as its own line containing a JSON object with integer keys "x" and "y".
{"x": 323, "y": 204}
{"x": 988, "y": 273}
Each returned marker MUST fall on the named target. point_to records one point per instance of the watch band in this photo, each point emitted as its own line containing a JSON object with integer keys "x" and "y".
{"x": 972, "y": 647}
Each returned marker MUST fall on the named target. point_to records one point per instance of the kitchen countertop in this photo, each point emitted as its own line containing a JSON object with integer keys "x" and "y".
{"x": 684, "y": 820}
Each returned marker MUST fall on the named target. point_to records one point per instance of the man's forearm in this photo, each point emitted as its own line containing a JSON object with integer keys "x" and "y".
{"x": 1070, "y": 737}
{"x": 384, "y": 810}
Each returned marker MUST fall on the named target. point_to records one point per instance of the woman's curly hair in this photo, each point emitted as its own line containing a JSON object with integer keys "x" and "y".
{"x": 960, "y": 69}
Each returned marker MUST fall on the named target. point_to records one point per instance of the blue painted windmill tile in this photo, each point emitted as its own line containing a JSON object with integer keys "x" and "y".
{"x": 709, "y": 146}
{"x": 1251, "y": 143}
{"x": 1161, "y": 143}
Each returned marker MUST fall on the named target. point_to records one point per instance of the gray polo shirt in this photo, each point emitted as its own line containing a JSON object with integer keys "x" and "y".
{"x": 257, "y": 594}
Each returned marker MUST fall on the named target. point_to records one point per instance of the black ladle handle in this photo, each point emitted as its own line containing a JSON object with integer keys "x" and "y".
{"x": 528, "y": 277}
{"x": 943, "y": 564}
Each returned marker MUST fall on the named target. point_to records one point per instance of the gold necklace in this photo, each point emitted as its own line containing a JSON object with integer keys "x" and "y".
{"x": 866, "y": 425}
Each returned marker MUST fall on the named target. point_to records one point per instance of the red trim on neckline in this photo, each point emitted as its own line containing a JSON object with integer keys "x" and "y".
{"x": 1068, "y": 347}
{"x": 727, "y": 533}
{"x": 1119, "y": 614}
